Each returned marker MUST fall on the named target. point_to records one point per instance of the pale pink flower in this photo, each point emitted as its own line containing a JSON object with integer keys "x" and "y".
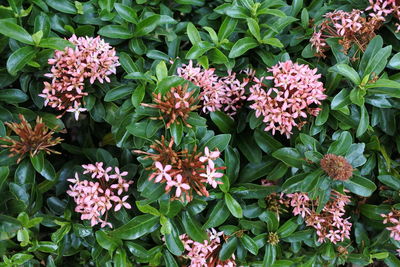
{"x": 209, "y": 157}
{"x": 223, "y": 94}
{"x": 206, "y": 254}
{"x": 178, "y": 184}
{"x": 91, "y": 59}
{"x": 211, "y": 175}
{"x": 94, "y": 199}
{"x": 76, "y": 110}
{"x": 393, "y": 218}
{"x": 162, "y": 172}
{"x": 286, "y": 104}
{"x": 118, "y": 174}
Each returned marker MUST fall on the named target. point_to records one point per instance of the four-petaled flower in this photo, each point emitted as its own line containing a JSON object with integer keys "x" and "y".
{"x": 178, "y": 184}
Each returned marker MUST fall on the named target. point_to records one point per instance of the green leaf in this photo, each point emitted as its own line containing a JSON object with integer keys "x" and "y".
{"x": 220, "y": 141}
{"x": 250, "y": 149}
{"x": 137, "y": 227}
{"x": 378, "y": 61}
{"x": 147, "y": 25}
{"x": 193, "y": 228}
{"x": 193, "y": 34}
{"x": 19, "y": 58}
{"x": 341, "y": 100}
{"x": 384, "y": 86}
{"x": 14, "y": 31}
{"x": 391, "y": 181}
{"x": 127, "y": 63}
{"x": 272, "y": 41}
{"x": 227, "y": 28}
{"x": 198, "y": 49}
{"x": 106, "y": 241}
{"x": 249, "y": 244}
{"x": 38, "y": 161}
{"x": 254, "y": 28}
{"x": 290, "y": 156}
{"x": 266, "y": 142}
{"x": 118, "y": 92}
{"x": 233, "y": 206}
{"x": 394, "y": 62}
{"x": 161, "y": 70}
{"x": 126, "y": 12}
{"x": 169, "y": 260}
{"x": 177, "y": 132}
{"x": 55, "y": 43}
{"x": 242, "y": 46}
{"x": 364, "y": 122}
{"x": 253, "y": 171}
{"x": 4, "y": 171}
{"x": 372, "y": 49}
{"x": 287, "y": 228}
{"x": 341, "y": 145}
{"x": 374, "y": 212}
{"x": 138, "y": 95}
{"x": 116, "y": 31}
{"x": 346, "y": 71}
{"x": 228, "y": 248}
{"x": 13, "y": 96}
{"x": 64, "y": 6}
{"x": 360, "y": 186}
{"x": 25, "y": 173}
{"x": 270, "y": 255}
{"x": 173, "y": 242}
{"x": 218, "y": 215}
{"x": 224, "y": 123}
{"x": 167, "y": 83}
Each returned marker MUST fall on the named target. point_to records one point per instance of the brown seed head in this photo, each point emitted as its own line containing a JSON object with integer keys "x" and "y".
{"x": 30, "y": 140}
{"x": 337, "y": 167}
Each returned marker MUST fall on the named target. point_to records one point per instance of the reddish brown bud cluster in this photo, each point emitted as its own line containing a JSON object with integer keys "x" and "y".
{"x": 337, "y": 167}
{"x": 175, "y": 105}
{"x": 31, "y": 141}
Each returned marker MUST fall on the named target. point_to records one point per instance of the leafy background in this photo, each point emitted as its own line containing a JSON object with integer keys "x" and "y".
{"x": 152, "y": 38}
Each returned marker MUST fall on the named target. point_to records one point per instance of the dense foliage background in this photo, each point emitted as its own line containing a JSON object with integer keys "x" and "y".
{"x": 153, "y": 38}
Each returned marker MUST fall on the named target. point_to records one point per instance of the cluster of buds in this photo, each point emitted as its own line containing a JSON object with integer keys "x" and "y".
{"x": 183, "y": 171}
{"x": 206, "y": 254}
{"x": 175, "y": 106}
{"x": 393, "y": 218}
{"x": 283, "y": 106}
{"x": 380, "y": 9}
{"x": 95, "y": 198}
{"x": 217, "y": 93}
{"x": 337, "y": 167}
{"x": 350, "y": 27}
{"x": 329, "y": 223}
{"x": 92, "y": 59}
{"x": 30, "y": 140}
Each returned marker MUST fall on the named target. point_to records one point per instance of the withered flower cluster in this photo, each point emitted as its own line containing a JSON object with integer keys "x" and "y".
{"x": 351, "y": 27}
{"x": 30, "y": 139}
{"x": 337, "y": 167}
{"x": 185, "y": 171}
{"x": 175, "y": 105}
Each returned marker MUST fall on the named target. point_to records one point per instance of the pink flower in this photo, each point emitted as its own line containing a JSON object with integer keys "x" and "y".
{"x": 211, "y": 175}
{"x": 284, "y": 106}
{"x": 162, "y": 172}
{"x": 94, "y": 199}
{"x": 118, "y": 174}
{"x": 224, "y": 94}
{"x": 91, "y": 58}
{"x": 178, "y": 184}
{"x": 209, "y": 157}
{"x": 76, "y": 109}
{"x": 121, "y": 202}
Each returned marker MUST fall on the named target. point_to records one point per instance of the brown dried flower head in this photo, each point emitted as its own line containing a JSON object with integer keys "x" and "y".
{"x": 31, "y": 140}
{"x": 337, "y": 167}
{"x": 175, "y": 105}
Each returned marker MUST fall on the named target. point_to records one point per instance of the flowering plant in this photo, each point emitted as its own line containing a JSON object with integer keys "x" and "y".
{"x": 199, "y": 133}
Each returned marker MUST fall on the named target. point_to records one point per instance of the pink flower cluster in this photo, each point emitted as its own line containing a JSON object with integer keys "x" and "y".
{"x": 329, "y": 223}
{"x": 92, "y": 59}
{"x": 187, "y": 174}
{"x": 95, "y": 198}
{"x": 283, "y": 106}
{"x": 217, "y": 93}
{"x": 206, "y": 254}
{"x": 382, "y": 8}
{"x": 393, "y": 217}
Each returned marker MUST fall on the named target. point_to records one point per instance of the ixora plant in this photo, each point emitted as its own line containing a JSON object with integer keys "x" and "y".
{"x": 200, "y": 133}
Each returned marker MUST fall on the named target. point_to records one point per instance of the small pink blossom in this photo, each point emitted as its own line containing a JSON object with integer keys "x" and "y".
{"x": 211, "y": 175}
{"x": 162, "y": 172}
{"x": 209, "y": 157}
{"x": 178, "y": 184}
{"x": 94, "y": 199}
